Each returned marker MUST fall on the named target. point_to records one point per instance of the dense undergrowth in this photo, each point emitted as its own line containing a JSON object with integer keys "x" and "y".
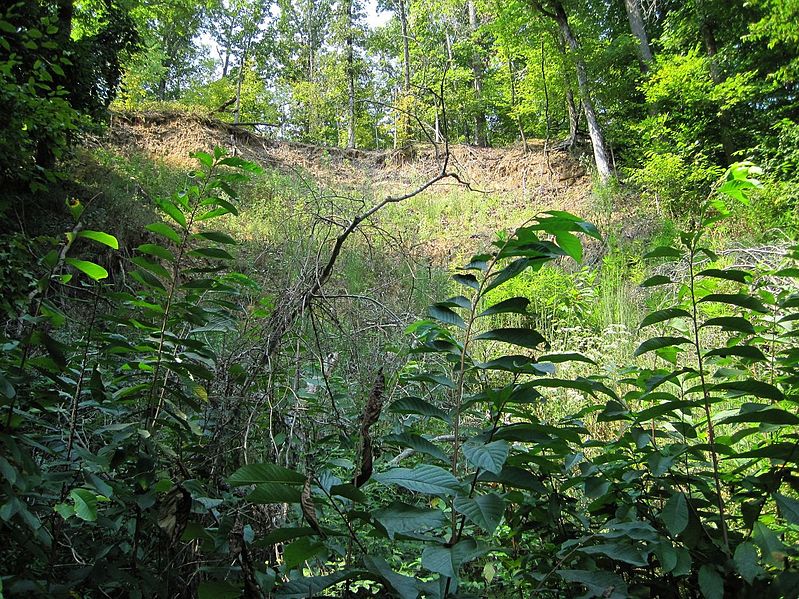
{"x": 526, "y": 439}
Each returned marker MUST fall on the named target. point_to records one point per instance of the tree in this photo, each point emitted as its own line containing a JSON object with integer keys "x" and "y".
{"x": 557, "y": 12}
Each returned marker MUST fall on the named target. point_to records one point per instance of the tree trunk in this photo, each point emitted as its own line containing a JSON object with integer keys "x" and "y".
{"x": 638, "y": 29}
{"x": 574, "y": 118}
{"x": 66, "y": 9}
{"x": 406, "y": 53}
{"x": 707, "y": 30}
{"x": 350, "y": 80}
{"x": 601, "y": 156}
{"x": 480, "y": 122}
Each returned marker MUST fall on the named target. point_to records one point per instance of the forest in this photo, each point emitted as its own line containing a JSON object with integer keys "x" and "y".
{"x": 399, "y": 298}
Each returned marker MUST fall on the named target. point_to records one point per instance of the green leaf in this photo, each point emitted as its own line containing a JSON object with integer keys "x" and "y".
{"x": 675, "y": 514}
{"x": 173, "y": 211}
{"x": 711, "y": 583}
{"x": 618, "y": 551}
{"x": 663, "y": 315}
{"x": 446, "y": 315}
{"x": 484, "y": 510}
{"x": 488, "y": 456}
{"x": 348, "y": 491}
{"x": 403, "y": 587}
{"x": 424, "y": 478}
{"x": 254, "y": 474}
{"x": 447, "y": 561}
{"x": 92, "y": 270}
{"x": 416, "y": 405}
{"x": 659, "y": 343}
{"x": 728, "y": 274}
{"x": 218, "y": 590}
{"x": 789, "y": 507}
{"x": 469, "y": 280}
{"x": 85, "y": 504}
{"x": 528, "y": 338}
{"x": 570, "y": 244}
{"x": 401, "y": 518}
{"x": 736, "y": 299}
{"x": 301, "y": 550}
{"x": 746, "y": 559}
{"x": 748, "y": 352}
{"x": 265, "y": 493}
{"x": 165, "y": 231}
{"x": 599, "y": 583}
{"x": 203, "y": 158}
{"x": 100, "y": 237}
{"x": 224, "y": 207}
{"x": 664, "y": 251}
{"x": 213, "y": 253}
{"x": 656, "y": 280}
{"x": 750, "y": 387}
{"x": 417, "y": 443}
{"x": 506, "y": 274}
{"x": 218, "y": 237}
{"x": 310, "y": 586}
{"x": 766, "y": 415}
{"x": 731, "y": 323}
{"x": 156, "y": 250}
{"x": 772, "y": 548}
{"x": 515, "y": 305}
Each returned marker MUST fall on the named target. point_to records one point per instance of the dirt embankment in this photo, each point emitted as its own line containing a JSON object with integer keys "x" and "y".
{"x": 554, "y": 179}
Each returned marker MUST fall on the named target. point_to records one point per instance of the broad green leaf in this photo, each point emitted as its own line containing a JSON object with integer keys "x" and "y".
{"x": 487, "y": 456}
{"x": 746, "y": 559}
{"x": 447, "y": 561}
{"x": 402, "y": 586}
{"x": 675, "y": 514}
{"x": 348, "y": 491}
{"x": 173, "y": 211}
{"x": 736, "y": 299}
{"x": 789, "y": 507}
{"x": 85, "y": 504}
{"x": 748, "y": 352}
{"x": 446, "y": 315}
{"x": 598, "y": 582}
{"x": 728, "y": 274}
{"x": 218, "y": 237}
{"x": 401, "y": 518}
{"x": 767, "y": 416}
{"x": 156, "y": 250}
{"x": 165, "y": 231}
{"x": 301, "y": 550}
{"x": 203, "y": 158}
{"x": 92, "y": 270}
{"x": 254, "y": 474}
{"x": 469, "y": 280}
{"x": 664, "y": 251}
{"x": 265, "y": 493}
{"x": 416, "y": 405}
{"x": 570, "y": 244}
{"x": 218, "y": 590}
{"x": 484, "y": 510}
{"x": 656, "y": 343}
{"x": 213, "y": 253}
{"x": 731, "y": 323}
{"x": 424, "y": 478}
{"x": 773, "y": 550}
{"x": 100, "y": 237}
{"x": 751, "y": 387}
{"x": 515, "y": 305}
{"x": 223, "y": 206}
{"x": 621, "y": 551}
{"x": 417, "y": 443}
{"x": 506, "y": 274}
{"x": 656, "y": 280}
{"x": 528, "y": 338}
{"x": 663, "y": 315}
{"x": 711, "y": 583}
